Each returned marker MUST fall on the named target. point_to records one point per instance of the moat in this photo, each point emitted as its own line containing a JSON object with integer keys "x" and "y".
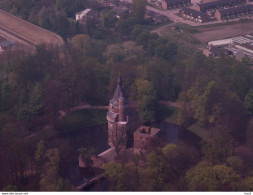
{"x": 97, "y": 137}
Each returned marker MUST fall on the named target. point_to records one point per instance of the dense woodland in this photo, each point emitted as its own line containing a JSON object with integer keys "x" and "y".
{"x": 214, "y": 94}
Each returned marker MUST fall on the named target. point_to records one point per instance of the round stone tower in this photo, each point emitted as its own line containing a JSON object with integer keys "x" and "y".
{"x": 117, "y": 117}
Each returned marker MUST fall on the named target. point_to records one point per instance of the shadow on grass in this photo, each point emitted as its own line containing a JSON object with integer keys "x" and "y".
{"x": 164, "y": 112}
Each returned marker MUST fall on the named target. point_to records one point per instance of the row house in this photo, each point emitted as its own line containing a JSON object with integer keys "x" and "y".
{"x": 214, "y": 5}
{"x": 234, "y": 12}
{"x": 170, "y": 4}
{"x": 194, "y": 15}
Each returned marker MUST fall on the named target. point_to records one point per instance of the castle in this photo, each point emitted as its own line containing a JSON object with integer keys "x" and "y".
{"x": 118, "y": 122}
{"x": 117, "y": 117}
{"x": 118, "y": 131}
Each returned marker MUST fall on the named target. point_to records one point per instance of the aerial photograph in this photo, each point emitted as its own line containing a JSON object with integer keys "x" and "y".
{"x": 126, "y": 96}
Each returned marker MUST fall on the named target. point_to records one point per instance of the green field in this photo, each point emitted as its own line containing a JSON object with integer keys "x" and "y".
{"x": 81, "y": 119}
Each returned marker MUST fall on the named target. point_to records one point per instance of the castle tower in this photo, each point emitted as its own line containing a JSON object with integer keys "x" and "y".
{"x": 117, "y": 117}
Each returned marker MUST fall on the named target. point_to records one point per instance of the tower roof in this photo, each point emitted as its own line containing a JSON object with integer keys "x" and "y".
{"x": 119, "y": 93}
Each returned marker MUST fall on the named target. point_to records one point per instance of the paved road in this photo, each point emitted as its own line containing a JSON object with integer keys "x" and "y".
{"x": 171, "y": 14}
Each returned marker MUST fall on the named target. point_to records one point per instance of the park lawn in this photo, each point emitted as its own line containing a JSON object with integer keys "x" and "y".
{"x": 81, "y": 119}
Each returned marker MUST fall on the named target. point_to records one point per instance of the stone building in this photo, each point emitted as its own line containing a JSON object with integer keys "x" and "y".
{"x": 142, "y": 137}
{"x": 117, "y": 117}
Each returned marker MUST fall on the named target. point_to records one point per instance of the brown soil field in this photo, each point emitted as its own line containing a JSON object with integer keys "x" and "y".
{"x": 207, "y": 34}
{"x": 27, "y": 30}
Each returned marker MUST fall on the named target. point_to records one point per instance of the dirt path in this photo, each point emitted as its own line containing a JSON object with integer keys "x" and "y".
{"x": 162, "y": 29}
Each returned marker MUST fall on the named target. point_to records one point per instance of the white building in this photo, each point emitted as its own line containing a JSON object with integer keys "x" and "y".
{"x": 219, "y": 43}
{"x": 80, "y": 15}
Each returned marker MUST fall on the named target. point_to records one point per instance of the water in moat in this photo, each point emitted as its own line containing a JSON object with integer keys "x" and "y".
{"x": 90, "y": 137}
{"x": 96, "y": 137}
{"x": 173, "y": 134}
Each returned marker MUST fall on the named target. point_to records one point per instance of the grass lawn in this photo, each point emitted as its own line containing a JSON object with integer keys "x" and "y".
{"x": 173, "y": 117}
{"x": 82, "y": 118}
{"x": 186, "y": 36}
{"x": 203, "y": 133}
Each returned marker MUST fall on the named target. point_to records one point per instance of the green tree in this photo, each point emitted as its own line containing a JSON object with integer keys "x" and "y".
{"x": 50, "y": 179}
{"x": 10, "y": 188}
{"x": 138, "y": 9}
{"x": 166, "y": 51}
{"x": 205, "y": 100}
{"x": 122, "y": 178}
{"x": 149, "y": 106}
{"x": 50, "y": 175}
{"x": 247, "y": 184}
{"x": 43, "y": 17}
{"x": 143, "y": 38}
{"x": 86, "y": 153}
{"x": 126, "y": 25}
{"x": 161, "y": 75}
{"x": 157, "y": 170}
{"x": 218, "y": 146}
{"x": 136, "y": 31}
{"x": 39, "y": 154}
{"x": 248, "y": 101}
{"x": 144, "y": 93}
{"x": 128, "y": 51}
{"x": 164, "y": 168}
{"x": 36, "y": 98}
{"x": 236, "y": 163}
{"x": 81, "y": 42}
{"x": 5, "y": 95}
{"x": 109, "y": 19}
{"x": 206, "y": 177}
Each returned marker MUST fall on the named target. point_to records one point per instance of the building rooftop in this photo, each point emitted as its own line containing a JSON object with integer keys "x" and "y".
{"x": 148, "y": 131}
{"x": 172, "y": 1}
{"x": 238, "y": 9}
{"x": 219, "y": 2}
{"x": 83, "y": 12}
{"x": 118, "y": 94}
{"x": 222, "y": 42}
{"x": 108, "y": 155}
